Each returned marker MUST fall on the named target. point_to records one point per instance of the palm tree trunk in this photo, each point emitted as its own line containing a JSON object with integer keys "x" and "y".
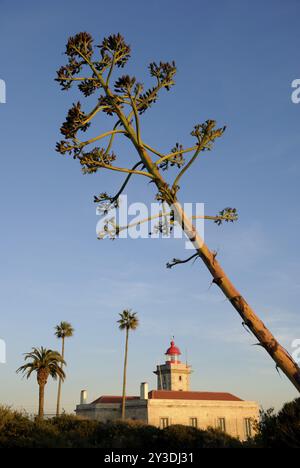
{"x": 60, "y": 380}
{"x": 266, "y": 339}
{"x": 41, "y": 401}
{"x": 124, "y": 376}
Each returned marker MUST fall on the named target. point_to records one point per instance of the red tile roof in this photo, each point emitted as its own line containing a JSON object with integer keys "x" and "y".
{"x": 177, "y": 395}
{"x": 172, "y": 395}
{"x": 113, "y": 399}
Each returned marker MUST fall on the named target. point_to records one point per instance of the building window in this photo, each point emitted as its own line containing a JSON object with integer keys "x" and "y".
{"x": 164, "y": 422}
{"x": 180, "y": 378}
{"x": 222, "y": 424}
{"x": 193, "y": 422}
{"x": 248, "y": 427}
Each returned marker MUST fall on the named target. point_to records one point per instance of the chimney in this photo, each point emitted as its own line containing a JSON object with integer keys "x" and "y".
{"x": 144, "y": 391}
{"x": 83, "y": 397}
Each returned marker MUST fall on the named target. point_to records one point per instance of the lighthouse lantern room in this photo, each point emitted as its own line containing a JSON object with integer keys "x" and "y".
{"x": 173, "y": 375}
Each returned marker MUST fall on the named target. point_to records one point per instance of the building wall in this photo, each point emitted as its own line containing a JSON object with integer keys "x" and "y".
{"x": 106, "y": 412}
{"x": 153, "y": 411}
{"x": 173, "y": 377}
{"x": 180, "y": 379}
{"x": 206, "y": 412}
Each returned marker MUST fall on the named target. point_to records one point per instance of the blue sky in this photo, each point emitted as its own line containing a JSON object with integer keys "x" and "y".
{"x": 236, "y": 61}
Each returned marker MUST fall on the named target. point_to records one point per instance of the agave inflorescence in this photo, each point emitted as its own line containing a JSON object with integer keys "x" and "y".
{"x": 92, "y": 69}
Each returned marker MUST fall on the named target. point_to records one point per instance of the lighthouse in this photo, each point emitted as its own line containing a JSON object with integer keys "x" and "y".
{"x": 173, "y": 374}
{"x": 174, "y": 403}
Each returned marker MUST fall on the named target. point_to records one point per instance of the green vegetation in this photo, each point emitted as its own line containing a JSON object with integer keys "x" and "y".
{"x": 45, "y": 363}
{"x": 282, "y": 429}
{"x": 17, "y": 430}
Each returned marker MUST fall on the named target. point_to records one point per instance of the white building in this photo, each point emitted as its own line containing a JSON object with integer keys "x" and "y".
{"x": 174, "y": 403}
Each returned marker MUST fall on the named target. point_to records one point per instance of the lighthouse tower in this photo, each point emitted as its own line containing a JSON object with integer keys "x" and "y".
{"x": 173, "y": 375}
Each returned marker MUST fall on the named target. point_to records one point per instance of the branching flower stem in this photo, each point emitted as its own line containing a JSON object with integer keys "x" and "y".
{"x": 169, "y": 194}
{"x": 103, "y": 135}
{"x": 123, "y": 186}
{"x": 163, "y": 215}
{"x": 175, "y": 153}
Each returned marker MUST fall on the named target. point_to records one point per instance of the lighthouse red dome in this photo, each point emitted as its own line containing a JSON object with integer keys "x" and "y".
{"x": 173, "y": 350}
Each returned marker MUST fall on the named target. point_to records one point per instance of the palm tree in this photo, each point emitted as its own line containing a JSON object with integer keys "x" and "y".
{"x": 45, "y": 363}
{"x": 62, "y": 331}
{"x": 128, "y": 321}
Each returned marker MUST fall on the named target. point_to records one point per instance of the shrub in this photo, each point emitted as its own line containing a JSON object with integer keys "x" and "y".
{"x": 179, "y": 437}
{"x": 17, "y": 430}
{"x": 282, "y": 429}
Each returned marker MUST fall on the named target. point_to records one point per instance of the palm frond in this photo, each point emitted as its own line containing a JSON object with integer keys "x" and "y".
{"x": 43, "y": 359}
{"x": 128, "y": 320}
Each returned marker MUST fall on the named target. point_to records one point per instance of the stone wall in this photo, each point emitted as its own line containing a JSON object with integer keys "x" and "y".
{"x": 105, "y": 412}
{"x": 207, "y": 414}
{"x": 153, "y": 411}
